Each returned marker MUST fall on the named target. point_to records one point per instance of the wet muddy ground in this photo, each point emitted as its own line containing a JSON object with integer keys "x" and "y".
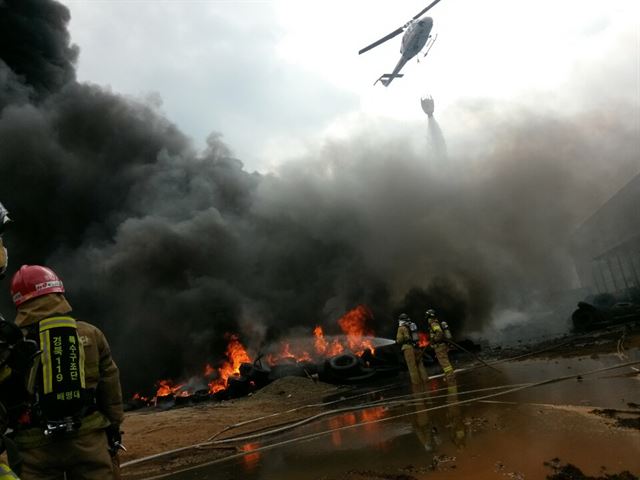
{"x": 590, "y": 422}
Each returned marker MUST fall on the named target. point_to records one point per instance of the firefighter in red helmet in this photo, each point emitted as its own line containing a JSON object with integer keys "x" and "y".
{"x": 72, "y": 420}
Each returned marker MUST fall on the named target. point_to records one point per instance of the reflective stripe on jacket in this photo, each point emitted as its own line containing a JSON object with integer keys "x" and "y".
{"x": 6, "y": 473}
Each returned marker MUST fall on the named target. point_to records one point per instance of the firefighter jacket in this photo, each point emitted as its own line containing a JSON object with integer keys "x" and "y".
{"x": 6, "y": 473}
{"x": 404, "y": 337}
{"x": 436, "y": 333}
{"x": 101, "y": 373}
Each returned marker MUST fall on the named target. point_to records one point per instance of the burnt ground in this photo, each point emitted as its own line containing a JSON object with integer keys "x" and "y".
{"x": 151, "y": 432}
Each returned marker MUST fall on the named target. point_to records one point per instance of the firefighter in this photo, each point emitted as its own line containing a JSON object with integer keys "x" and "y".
{"x": 407, "y": 337}
{"x": 4, "y": 256}
{"x": 71, "y": 422}
{"x": 10, "y": 336}
{"x": 439, "y": 334}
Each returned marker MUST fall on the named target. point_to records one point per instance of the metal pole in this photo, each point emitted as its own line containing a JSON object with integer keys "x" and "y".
{"x": 613, "y": 277}
{"x": 624, "y": 277}
{"x": 604, "y": 278}
{"x": 632, "y": 254}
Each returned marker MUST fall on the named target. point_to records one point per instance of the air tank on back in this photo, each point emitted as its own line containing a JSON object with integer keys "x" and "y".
{"x": 427, "y": 105}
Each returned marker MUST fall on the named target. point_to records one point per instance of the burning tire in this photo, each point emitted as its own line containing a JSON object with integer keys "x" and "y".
{"x": 238, "y": 387}
{"x": 344, "y": 362}
{"x": 342, "y": 367}
{"x": 258, "y": 375}
{"x": 286, "y": 370}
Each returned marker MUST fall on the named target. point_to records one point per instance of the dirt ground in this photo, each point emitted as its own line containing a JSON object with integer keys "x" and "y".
{"x": 151, "y": 431}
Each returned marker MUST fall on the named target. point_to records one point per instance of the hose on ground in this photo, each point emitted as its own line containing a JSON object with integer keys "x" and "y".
{"x": 313, "y": 436}
{"x": 511, "y": 390}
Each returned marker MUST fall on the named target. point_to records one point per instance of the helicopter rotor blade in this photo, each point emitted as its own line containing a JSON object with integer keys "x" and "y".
{"x": 382, "y": 40}
{"x": 425, "y": 10}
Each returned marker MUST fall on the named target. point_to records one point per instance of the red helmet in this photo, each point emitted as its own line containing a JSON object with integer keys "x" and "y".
{"x": 33, "y": 281}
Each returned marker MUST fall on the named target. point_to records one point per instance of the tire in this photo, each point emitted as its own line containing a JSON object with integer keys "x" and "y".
{"x": 247, "y": 370}
{"x": 343, "y": 366}
{"x": 238, "y": 387}
{"x": 364, "y": 376}
{"x": 287, "y": 370}
{"x": 344, "y": 362}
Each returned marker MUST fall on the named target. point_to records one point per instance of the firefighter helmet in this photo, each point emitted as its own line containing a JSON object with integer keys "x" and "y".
{"x": 4, "y": 218}
{"x": 403, "y": 317}
{"x": 33, "y": 281}
{"x": 430, "y": 313}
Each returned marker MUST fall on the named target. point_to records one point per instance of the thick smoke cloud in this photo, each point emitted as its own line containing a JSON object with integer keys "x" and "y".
{"x": 167, "y": 249}
{"x": 34, "y": 43}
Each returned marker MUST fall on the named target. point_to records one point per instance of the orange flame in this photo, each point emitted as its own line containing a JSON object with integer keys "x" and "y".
{"x": 137, "y": 396}
{"x": 165, "y": 388}
{"x": 353, "y": 324}
{"x": 423, "y": 339}
{"x": 236, "y": 356}
{"x": 320, "y": 343}
{"x": 323, "y": 347}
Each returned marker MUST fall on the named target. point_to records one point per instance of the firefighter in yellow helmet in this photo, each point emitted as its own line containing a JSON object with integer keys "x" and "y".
{"x": 407, "y": 337}
{"x": 71, "y": 423}
{"x": 438, "y": 335}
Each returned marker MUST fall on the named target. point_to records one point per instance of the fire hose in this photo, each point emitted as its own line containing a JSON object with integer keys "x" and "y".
{"x": 472, "y": 354}
{"x": 514, "y": 388}
{"x": 380, "y": 420}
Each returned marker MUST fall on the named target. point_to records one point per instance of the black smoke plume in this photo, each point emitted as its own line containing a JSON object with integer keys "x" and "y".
{"x": 167, "y": 249}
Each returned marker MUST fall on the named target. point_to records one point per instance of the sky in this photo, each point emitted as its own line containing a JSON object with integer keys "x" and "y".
{"x": 277, "y": 78}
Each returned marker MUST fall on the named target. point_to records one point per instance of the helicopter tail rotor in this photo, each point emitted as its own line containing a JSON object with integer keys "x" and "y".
{"x": 386, "y": 78}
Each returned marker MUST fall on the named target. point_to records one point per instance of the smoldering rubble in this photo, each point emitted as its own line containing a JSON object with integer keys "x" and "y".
{"x": 168, "y": 248}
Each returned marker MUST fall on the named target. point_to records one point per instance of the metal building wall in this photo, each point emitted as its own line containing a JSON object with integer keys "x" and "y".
{"x": 606, "y": 247}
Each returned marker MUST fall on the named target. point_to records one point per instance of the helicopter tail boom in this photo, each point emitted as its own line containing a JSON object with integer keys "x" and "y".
{"x": 386, "y": 78}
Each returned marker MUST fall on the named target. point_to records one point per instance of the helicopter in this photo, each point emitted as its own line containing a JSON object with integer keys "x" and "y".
{"x": 416, "y": 36}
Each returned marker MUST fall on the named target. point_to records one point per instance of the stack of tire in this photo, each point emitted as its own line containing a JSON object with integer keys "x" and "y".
{"x": 251, "y": 378}
{"x": 348, "y": 368}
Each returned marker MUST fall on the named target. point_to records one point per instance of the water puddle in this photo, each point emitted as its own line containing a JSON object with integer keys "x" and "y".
{"x": 433, "y": 436}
